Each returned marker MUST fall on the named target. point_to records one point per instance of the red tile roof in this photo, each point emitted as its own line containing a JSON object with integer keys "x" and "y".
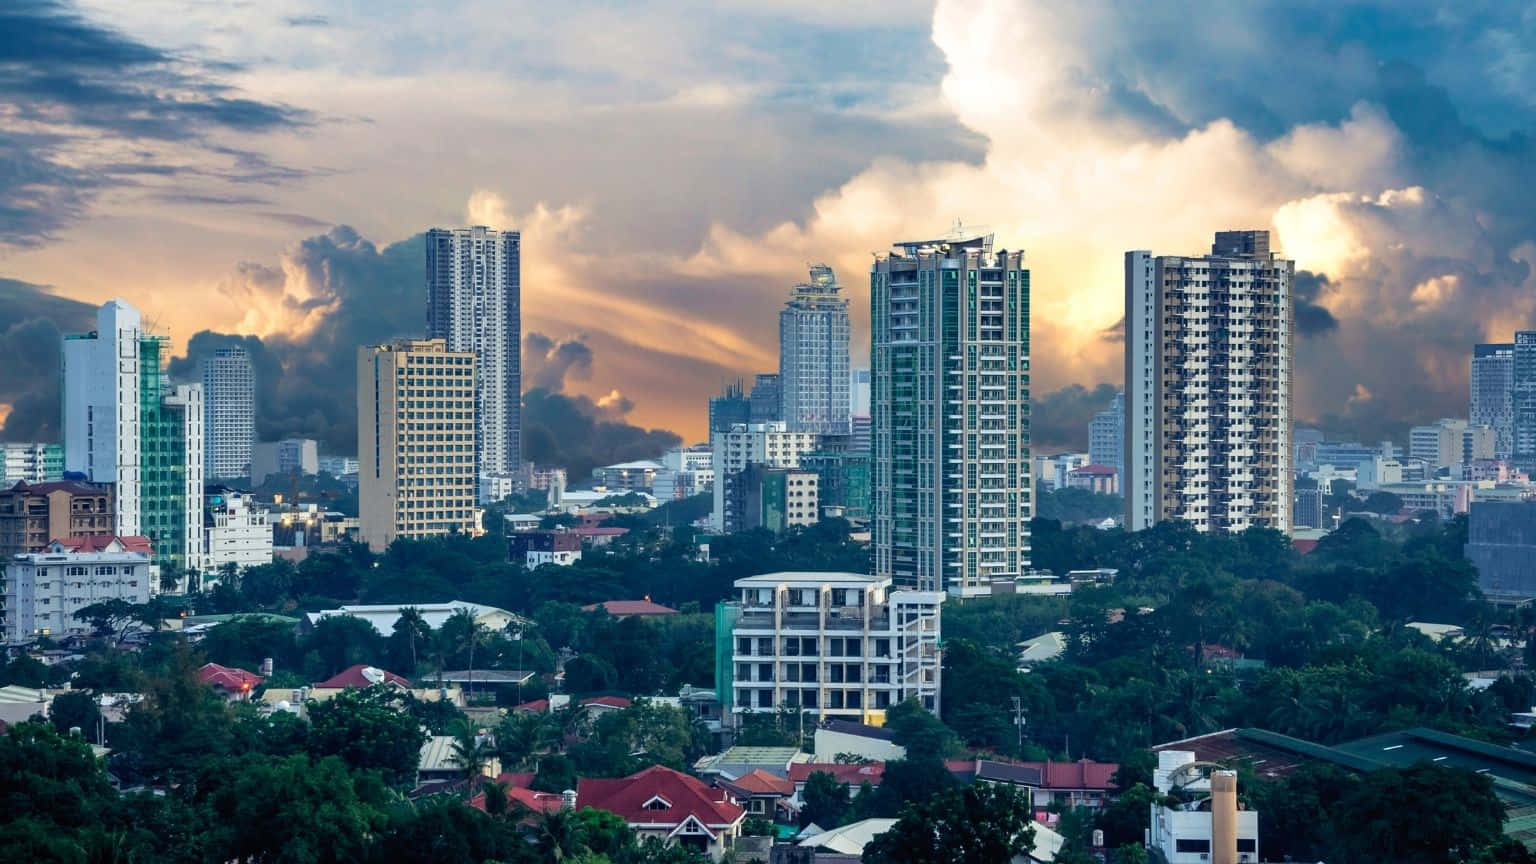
{"x": 673, "y": 797}
{"x": 853, "y": 775}
{"x": 537, "y": 706}
{"x": 626, "y": 608}
{"x": 99, "y": 542}
{"x": 1082, "y": 774}
{"x": 760, "y": 782}
{"x": 1102, "y": 470}
{"x": 538, "y": 802}
{"x": 1304, "y": 547}
{"x": 228, "y": 679}
{"x": 599, "y": 531}
{"x": 609, "y": 701}
{"x": 353, "y": 677}
{"x": 516, "y": 779}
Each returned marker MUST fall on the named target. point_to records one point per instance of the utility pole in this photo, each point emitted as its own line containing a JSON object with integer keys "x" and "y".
{"x": 1019, "y": 720}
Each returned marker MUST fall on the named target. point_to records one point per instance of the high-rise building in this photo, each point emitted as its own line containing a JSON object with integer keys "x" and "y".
{"x": 767, "y": 398}
{"x": 1493, "y": 380}
{"x": 844, "y": 479}
{"x": 101, "y": 407}
{"x": 729, "y": 408}
{"x": 30, "y": 463}
{"x": 44, "y": 589}
{"x": 126, "y": 424}
{"x": 1523, "y": 397}
{"x": 237, "y": 533}
{"x": 813, "y": 356}
{"x": 416, "y": 441}
{"x": 1438, "y": 445}
{"x": 860, "y": 423}
{"x": 1208, "y": 386}
{"x": 772, "y": 498}
{"x": 734, "y": 450}
{"x": 474, "y": 290}
{"x": 859, "y": 391}
{"x": 951, "y": 485}
{"x": 1106, "y": 436}
{"x": 229, "y": 413}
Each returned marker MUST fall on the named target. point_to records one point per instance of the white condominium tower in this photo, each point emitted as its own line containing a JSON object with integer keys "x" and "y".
{"x": 813, "y": 356}
{"x": 1208, "y": 386}
{"x": 474, "y": 289}
{"x": 951, "y": 478}
{"x": 126, "y": 424}
{"x": 415, "y": 441}
{"x": 229, "y": 413}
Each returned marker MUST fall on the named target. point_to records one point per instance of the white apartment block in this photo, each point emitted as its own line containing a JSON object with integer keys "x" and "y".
{"x": 44, "y": 590}
{"x": 416, "y": 441}
{"x": 1208, "y": 386}
{"x": 101, "y": 407}
{"x": 30, "y": 463}
{"x": 770, "y": 445}
{"x": 1438, "y": 445}
{"x": 236, "y": 532}
{"x": 282, "y": 458}
{"x": 838, "y": 644}
{"x": 689, "y": 459}
{"x": 814, "y": 380}
{"x": 229, "y": 413}
{"x": 474, "y": 295}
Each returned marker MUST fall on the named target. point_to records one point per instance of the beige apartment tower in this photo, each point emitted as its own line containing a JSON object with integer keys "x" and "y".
{"x": 1208, "y": 359}
{"x": 415, "y": 441}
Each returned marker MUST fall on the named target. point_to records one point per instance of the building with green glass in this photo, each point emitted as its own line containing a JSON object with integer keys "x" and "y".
{"x": 951, "y": 469}
{"x": 844, "y": 479}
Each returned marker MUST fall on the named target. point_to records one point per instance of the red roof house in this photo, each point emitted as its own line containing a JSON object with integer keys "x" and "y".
{"x": 236, "y": 683}
{"x": 854, "y": 775}
{"x": 763, "y": 794}
{"x": 616, "y": 703}
{"x": 630, "y": 608}
{"x": 102, "y": 543}
{"x": 361, "y": 675}
{"x": 537, "y": 706}
{"x": 661, "y": 802}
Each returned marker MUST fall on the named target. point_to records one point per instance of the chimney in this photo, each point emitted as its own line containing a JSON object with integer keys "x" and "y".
{"x": 568, "y": 799}
{"x": 1223, "y": 817}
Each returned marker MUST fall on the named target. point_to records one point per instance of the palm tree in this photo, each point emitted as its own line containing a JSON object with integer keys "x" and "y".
{"x": 415, "y": 627}
{"x": 465, "y": 633}
{"x": 559, "y": 836}
{"x": 471, "y": 751}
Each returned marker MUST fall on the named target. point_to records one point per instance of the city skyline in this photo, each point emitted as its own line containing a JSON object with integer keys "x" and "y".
{"x": 670, "y": 292}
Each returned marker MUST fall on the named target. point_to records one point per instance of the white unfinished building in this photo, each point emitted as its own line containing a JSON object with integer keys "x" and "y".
{"x": 837, "y": 644}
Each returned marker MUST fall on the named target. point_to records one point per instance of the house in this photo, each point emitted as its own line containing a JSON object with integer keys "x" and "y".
{"x": 439, "y": 761}
{"x": 596, "y": 706}
{"x": 661, "y": 802}
{"x": 1073, "y": 784}
{"x": 1042, "y": 648}
{"x": 854, "y": 775}
{"x": 849, "y": 839}
{"x": 631, "y": 608}
{"x": 235, "y": 684}
{"x": 384, "y": 616}
{"x": 738, "y": 761}
{"x": 875, "y": 743}
{"x": 763, "y": 794}
{"x": 360, "y": 676}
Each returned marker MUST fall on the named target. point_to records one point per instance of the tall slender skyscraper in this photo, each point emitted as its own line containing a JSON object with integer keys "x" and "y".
{"x": 1493, "y": 386}
{"x": 126, "y": 424}
{"x": 229, "y": 413}
{"x": 951, "y": 490}
{"x": 813, "y": 356}
{"x": 1523, "y": 397}
{"x": 1208, "y": 386}
{"x": 474, "y": 290}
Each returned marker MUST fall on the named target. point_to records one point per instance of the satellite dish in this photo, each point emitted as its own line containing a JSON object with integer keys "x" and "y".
{"x": 374, "y": 674}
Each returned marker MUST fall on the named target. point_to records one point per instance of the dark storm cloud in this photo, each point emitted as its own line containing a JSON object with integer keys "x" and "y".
{"x": 30, "y": 354}
{"x": 547, "y": 363}
{"x": 360, "y": 294}
{"x": 1059, "y": 420}
{"x": 1311, "y": 319}
{"x": 74, "y": 84}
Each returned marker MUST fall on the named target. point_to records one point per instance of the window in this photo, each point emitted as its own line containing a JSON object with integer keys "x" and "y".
{"x": 1192, "y": 845}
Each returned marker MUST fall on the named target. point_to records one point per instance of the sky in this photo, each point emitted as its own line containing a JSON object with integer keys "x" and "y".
{"x": 262, "y": 172}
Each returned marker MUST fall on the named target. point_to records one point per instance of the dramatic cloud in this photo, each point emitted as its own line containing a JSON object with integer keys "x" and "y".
{"x": 30, "y": 357}
{"x": 547, "y": 363}
{"x": 1059, "y": 420}
{"x": 88, "y": 108}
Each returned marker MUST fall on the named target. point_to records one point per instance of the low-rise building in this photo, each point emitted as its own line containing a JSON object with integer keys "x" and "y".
{"x": 289, "y": 456}
{"x": 534, "y": 549}
{"x": 1501, "y": 544}
{"x": 1099, "y": 479}
{"x": 636, "y": 476}
{"x": 233, "y": 683}
{"x": 235, "y": 531}
{"x": 30, "y": 463}
{"x": 43, "y": 590}
{"x": 774, "y": 498}
{"x": 384, "y": 616}
{"x": 874, "y": 743}
{"x": 34, "y": 514}
{"x": 835, "y": 644}
{"x": 631, "y": 608}
{"x": 660, "y": 802}
{"x": 1188, "y": 835}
